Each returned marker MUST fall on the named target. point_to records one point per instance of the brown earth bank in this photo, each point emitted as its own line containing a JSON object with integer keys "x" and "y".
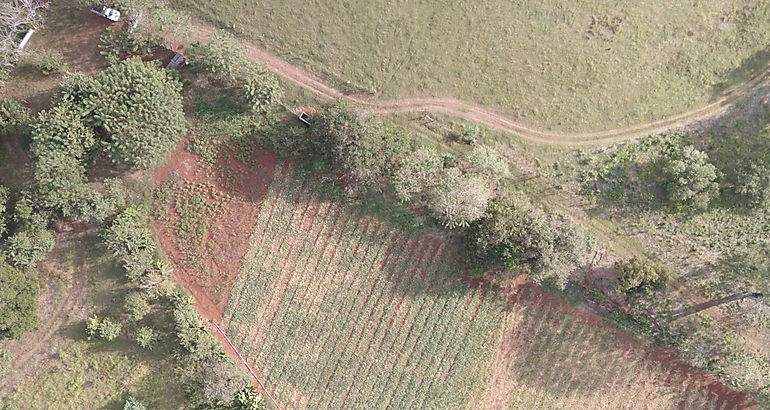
{"x": 226, "y": 240}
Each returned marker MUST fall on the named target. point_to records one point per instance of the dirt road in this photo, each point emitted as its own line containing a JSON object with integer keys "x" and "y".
{"x": 487, "y": 117}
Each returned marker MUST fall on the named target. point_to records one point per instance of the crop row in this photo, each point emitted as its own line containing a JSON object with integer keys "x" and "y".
{"x": 557, "y": 361}
{"x": 334, "y": 308}
{"x": 337, "y": 309}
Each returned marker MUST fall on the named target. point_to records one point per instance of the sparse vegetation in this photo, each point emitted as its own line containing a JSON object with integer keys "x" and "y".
{"x": 49, "y": 62}
{"x": 578, "y": 66}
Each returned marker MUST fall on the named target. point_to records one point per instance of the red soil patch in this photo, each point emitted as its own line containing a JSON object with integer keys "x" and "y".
{"x": 226, "y": 240}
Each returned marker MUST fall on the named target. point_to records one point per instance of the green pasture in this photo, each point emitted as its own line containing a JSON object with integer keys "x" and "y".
{"x": 577, "y": 65}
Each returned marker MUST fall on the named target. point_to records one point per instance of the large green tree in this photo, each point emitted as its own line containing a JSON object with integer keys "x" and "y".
{"x": 690, "y": 180}
{"x": 514, "y": 233}
{"x": 139, "y": 107}
{"x": 358, "y": 144}
{"x": 18, "y": 301}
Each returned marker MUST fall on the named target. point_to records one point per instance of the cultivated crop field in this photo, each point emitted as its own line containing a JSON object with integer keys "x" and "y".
{"x": 576, "y": 65}
{"x": 335, "y": 308}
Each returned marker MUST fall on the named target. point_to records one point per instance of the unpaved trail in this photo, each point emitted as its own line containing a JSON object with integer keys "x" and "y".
{"x": 487, "y": 117}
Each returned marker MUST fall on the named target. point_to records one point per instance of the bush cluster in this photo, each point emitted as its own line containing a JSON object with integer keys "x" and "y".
{"x": 106, "y": 328}
{"x": 224, "y": 57}
{"x": 639, "y": 275}
{"x": 513, "y": 233}
{"x": 132, "y": 111}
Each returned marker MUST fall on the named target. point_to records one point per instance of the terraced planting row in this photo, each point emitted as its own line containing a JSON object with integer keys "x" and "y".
{"x": 336, "y": 309}
{"x": 549, "y": 358}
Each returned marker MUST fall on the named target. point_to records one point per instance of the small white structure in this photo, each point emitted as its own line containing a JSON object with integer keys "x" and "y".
{"x": 26, "y": 38}
{"x": 104, "y": 11}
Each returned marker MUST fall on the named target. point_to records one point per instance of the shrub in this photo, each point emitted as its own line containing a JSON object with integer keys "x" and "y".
{"x": 489, "y": 162}
{"x": 49, "y": 61}
{"x": 221, "y": 381}
{"x": 139, "y": 107}
{"x": 109, "y": 330}
{"x": 24, "y": 249}
{"x": 115, "y": 43}
{"x": 19, "y": 291}
{"x": 249, "y": 399}
{"x": 635, "y": 275}
{"x": 751, "y": 183}
{"x": 104, "y": 328}
{"x": 58, "y": 181}
{"x": 90, "y": 205}
{"x": 6, "y": 357}
{"x": 136, "y": 306}
{"x": 418, "y": 175}
{"x": 455, "y": 198}
{"x": 690, "y": 180}
{"x": 260, "y": 88}
{"x": 460, "y": 199}
{"x": 471, "y": 135}
{"x": 133, "y": 403}
{"x": 76, "y": 90}
{"x": 3, "y": 202}
{"x": 92, "y": 327}
{"x": 62, "y": 129}
{"x": 146, "y": 338}
{"x": 12, "y": 113}
{"x": 127, "y": 235}
{"x": 221, "y": 55}
{"x": 512, "y": 233}
{"x": 193, "y": 335}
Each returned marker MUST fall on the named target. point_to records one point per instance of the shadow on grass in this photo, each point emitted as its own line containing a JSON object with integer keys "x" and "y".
{"x": 750, "y": 68}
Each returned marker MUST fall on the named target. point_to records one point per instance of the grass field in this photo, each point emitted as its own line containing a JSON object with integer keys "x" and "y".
{"x": 336, "y": 308}
{"x": 581, "y": 65}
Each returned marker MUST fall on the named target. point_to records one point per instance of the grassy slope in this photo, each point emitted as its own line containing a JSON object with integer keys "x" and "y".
{"x": 584, "y": 65}
{"x": 325, "y": 291}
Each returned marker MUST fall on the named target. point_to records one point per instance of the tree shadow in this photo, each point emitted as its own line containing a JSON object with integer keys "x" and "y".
{"x": 750, "y": 68}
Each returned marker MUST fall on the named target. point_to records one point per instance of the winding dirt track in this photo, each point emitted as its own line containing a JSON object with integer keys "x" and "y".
{"x": 487, "y": 117}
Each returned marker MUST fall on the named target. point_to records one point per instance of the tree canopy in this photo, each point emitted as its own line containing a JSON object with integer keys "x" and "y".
{"x": 454, "y": 197}
{"x": 635, "y": 274}
{"x": 690, "y": 180}
{"x": 512, "y": 232}
{"x": 139, "y": 107}
{"x": 18, "y": 301}
{"x": 357, "y": 144}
